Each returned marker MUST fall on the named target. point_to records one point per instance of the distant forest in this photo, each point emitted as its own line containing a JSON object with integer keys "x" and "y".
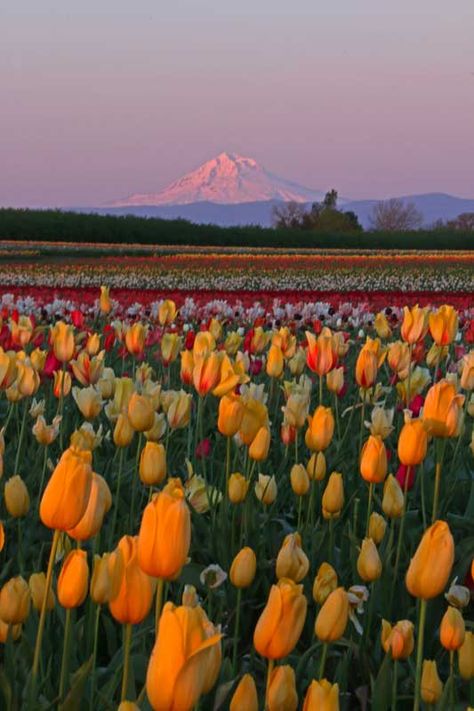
{"x": 58, "y": 226}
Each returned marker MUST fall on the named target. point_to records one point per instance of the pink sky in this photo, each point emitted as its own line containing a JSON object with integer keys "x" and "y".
{"x": 103, "y": 99}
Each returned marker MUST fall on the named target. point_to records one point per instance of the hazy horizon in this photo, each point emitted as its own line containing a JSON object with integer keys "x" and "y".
{"x": 99, "y": 102}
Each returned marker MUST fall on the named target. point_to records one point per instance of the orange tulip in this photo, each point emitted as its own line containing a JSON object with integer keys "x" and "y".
{"x": 106, "y": 577}
{"x": 412, "y": 443}
{"x": 332, "y": 618}
{"x": 167, "y": 312}
{"x": 320, "y": 429}
{"x": 135, "y": 337}
{"x": 73, "y": 580}
{"x": 322, "y": 696}
{"x": 243, "y": 568}
{"x": 15, "y": 601}
{"x": 178, "y": 664}
{"x": 430, "y": 567}
{"x": 324, "y": 583}
{"x": 292, "y": 561}
{"x": 281, "y": 693}
{"x": 165, "y": 535}
{"x": 452, "y": 630}
{"x": 366, "y": 368}
{"x": 152, "y": 469}
{"x": 373, "y": 460}
{"x": 442, "y": 410}
{"x": 230, "y": 415}
{"x": 281, "y": 622}
{"x": 443, "y": 325}
{"x": 245, "y": 695}
{"x": 398, "y": 639}
{"x": 369, "y": 565}
{"x": 275, "y": 362}
{"x": 140, "y": 412}
{"x": 135, "y": 595}
{"x": 100, "y": 501}
{"x": 105, "y": 304}
{"x": 206, "y": 372}
{"x": 64, "y": 501}
{"x": 62, "y": 338}
{"x": 258, "y": 450}
{"x": 321, "y": 354}
{"x": 415, "y": 324}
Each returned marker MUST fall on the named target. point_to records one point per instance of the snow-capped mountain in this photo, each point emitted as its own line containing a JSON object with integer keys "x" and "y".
{"x": 228, "y": 179}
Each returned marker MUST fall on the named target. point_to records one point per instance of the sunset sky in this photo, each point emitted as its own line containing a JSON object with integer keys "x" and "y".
{"x": 102, "y": 98}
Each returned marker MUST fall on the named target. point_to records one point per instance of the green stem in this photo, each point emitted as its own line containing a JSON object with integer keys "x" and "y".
{"x": 20, "y": 440}
{"x": 117, "y": 491}
{"x": 336, "y": 410}
{"x": 331, "y": 540}
{"x": 320, "y": 389}
{"x": 43, "y": 474}
{"x": 300, "y": 502}
{"x": 65, "y": 657}
{"x": 61, "y": 406}
{"x": 361, "y": 431}
{"x": 394, "y": 685}
{"x": 127, "y": 641}
{"x": 296, "y": 447}
{"x": 94, "y": 657}
{"x": 440, "y": 446}
{"x": 271, "y": 664}
{"x": 135, "y": 478}
{"x": 39, "y": 634}
{"x": 236, "y": 631}
{"x": 419, "y": 654}
{"x": 322, "y": 663}
{"x": 369, "y": 507}
{"x": 400, "y": 538}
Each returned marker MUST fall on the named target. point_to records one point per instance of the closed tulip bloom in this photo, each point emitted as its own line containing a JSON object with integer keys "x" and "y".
{"x": 373, "y": 460}
{"x": 266, "y": 489}
{"x": 230, "y": 415}
{"x": 179, "y": 411}
{"x": 398, "y": 358}
{"x": 100, "y": 501}
{"x": 452, "y": 630}
{"x": 62, "y": 383}
{"x": 28, "y": 380}
{"x": 299, "y": 479}
{"x": 321, "y": 354}
{"x": 366, "y": 368}
{"x": 237, "y": 488}
{"x": 62, "y": 338}
{"x": 152, "y": 469}
{"x": 245, "y": 695}
{"x": 316, "y": 466}
{"x": 382, "y": 326}
{"x": 140, "y": 412}
{"x": 430, "y": 567}
{"x": 8, "y": 368}
{"x": 466, "y": 657}
{"x": 106, "y": 577}
{"x": 21, "y": 331}
{"x": 165, "y": 535}
{"x": 280, "y": 625}
{"x": 206, "y": 372}
{"x": 322, "y": 696}
{"x": 135, "y": 337}
{"x": 243, "y": 568}
{"x": 135, "y": 596}
{"x": 17, "y": 499}
{"x": 398, "y": 640}
{"x": 292, "y": 561}
{"x": 204, "y": 343}
{"x": 324, "y": 583}
{"x": 415, "y": 324}
{"x": 88, "y": 400}
{"x": 443, "y": 325}
{"x": 179, "y": 660}
{"x": 431, "y": 685}
{"x": 333, "y": 496}
{"x": 320, "y": 429}
{"x": 6, "y": 631}
{"x": 369, "y": 565}
{"x": 258, "y": 450}
{"x": 255, "y": 416}
{"x": 15, "y": 600}
{"x": 167, "y": 312}
{"x": 187, "y": 367}
{"x": 275, "y": 362}
{"x": 335, "y": 380}
{"x": 281, "y": 694}
{"x": 88, "y": 370}
{"x": 412, "y": 443}
{"x": 64, "y": 501}
{"x": 93, "y": 344}
{"x": 332, "y": 618}
{"x": 442, "y": 409}
{"x": 393, "y": 502}
{"x": 467, "y": 372}
{"x": 170, "y": 345}
{"x": 377, "y": 527}
{"x": 105, "y": 304}
{"x": 73, "y": 581}
{"x": 123, "y": 431}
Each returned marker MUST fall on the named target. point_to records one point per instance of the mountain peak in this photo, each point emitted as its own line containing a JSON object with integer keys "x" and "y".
{"x": 229, "y": 178}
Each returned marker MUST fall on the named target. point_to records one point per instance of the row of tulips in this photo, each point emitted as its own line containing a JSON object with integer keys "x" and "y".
{"x": 281, "y": 520}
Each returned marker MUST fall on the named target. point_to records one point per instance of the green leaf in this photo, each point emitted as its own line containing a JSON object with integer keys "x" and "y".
{"x": 72, "y": 702}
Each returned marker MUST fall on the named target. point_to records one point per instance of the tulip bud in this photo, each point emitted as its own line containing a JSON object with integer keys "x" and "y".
{"x": 206, "y": 372}
{"x": 398, "y": 639}
{"x": 377, "y": 527}
{"x": 243, "y": 568}
{"x": 280, "y": 624}
{"x": 73, "y": 579}
{"x": 62, "y": 383}
{"x": 320, "y": 429}
{"x": 245, "y": 695}
{"x": 393, "y": 501}
{"x": 135, "y": 592}
{"x": 128, "y": 706}
{"x": 431, "y": 686}
{"x": 17, "y": 500}
{"x": 100, "y": 501}
{"x": 266, "y": 489}
{"x": 431, "y": 566}
{"x": 452, "y": 630}
{"x": 335, "y": 380}
{"x": 369, "y": 565}
{"x": 316, "y": 466}
{"x": 15, "y": 601}
{"x": 62, "y": 338}
{"x": 140, "y": 412}
{"x": 190, "y": 596}
{"x": 373, "y": 460}
{"x": 333, "y": 496}
{"x": 324, "y": 583}
{"x": 466, "y": 657}
{"x": 299, "y": 480}
{"x": 152, "y": 468}
{"x": 258, "y": 450}
{"x": 281, "y": 692}
{"x": 332, "y": 618}
{"x": 275, "y": 362}
{"x": 412, "y": 443}
{"x": 65, "y": 499}
{"x": 165, "y": 535}
{"x": 382, "y": 326}
{"x": 467, "y": 373}
{"x": 292, "y": 561}
{"x": 123, "y": 431}
{"x": 230, "y": 415}
{"x": 322, "y": 696}
{"x": 37, "y": 585}
{"x": 237, "y": 488}
{"x": 167, "y": 312}
{"x": 135, "y": 336}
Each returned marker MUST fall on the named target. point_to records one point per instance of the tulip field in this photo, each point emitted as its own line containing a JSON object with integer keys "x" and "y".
{"x": 243, "y": 505}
